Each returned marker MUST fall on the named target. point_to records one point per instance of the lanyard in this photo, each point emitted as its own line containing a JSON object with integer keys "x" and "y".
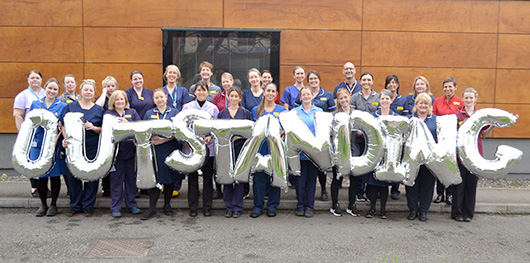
{"x": 33, "y": 92}
{"x": 173, "y": 96}
{"x": 163, "y": 116}
{"x": 352, "y": 88}
{"x": 227, "y": 103}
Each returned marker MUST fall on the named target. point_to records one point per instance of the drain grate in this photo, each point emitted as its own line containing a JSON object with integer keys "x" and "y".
{"x": 120, "y": 248}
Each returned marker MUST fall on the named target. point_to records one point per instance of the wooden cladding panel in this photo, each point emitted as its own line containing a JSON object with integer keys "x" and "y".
{"x": 320, "y": 47}
{"x": 294, "y": 14}
{"x": 152, "y": 74}
{"x": 483, "y": 80}
{"x": 41, "y": 13}
{"x": 514, "y": 51}
{"x": 414, "y": 15}
{"x": 512, "y": 86}
{"x": 153, "y": 13}
{"x": 41, "y": 44}
{"x": 330, "y": 75}
{"x": 429, "y": 49}
{"x": 521, "y": 127}
{"x": 514, "y": 17}
{"x": 15, "y": 75}
{"x": 7, "y": 121}
{"x": 123, "y": 45}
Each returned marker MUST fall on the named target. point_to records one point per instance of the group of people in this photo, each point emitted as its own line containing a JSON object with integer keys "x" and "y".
{"x": 230, "y": 102}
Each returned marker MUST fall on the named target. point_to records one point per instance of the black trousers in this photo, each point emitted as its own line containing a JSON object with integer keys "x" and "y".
{"x": 419, "y": 196}
{"x": 440, "y": 189}
{"x": 207, "y": 188}
{"x": 355, "y": 181}
{"x": 372, "y": 191}
{"x": 465, "y": 195}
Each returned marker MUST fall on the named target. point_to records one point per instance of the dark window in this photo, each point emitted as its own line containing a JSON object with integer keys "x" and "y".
{"x": 229, "y": 50}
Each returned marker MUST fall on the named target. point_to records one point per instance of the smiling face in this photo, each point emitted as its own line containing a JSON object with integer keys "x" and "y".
{"x": 299, "y": 75}
{"x": 201, "y": 92}
{"x": 313, "y": 80}
{"x": 87, "y": 92}
{"x": 111, "y": 87}
{"x": 234, "y": 98}
{"x": 206, "y": 73}
{"x": 227, "y": 83}
{"x": 160, "y": 99}
{"x": 420, "y": 86}
{"x": 171, "y": 75}
{"x": 52, "y": 89}
{"x": 119, "y": 102}
{"x": 349, "y": 70}
{"x": 306, "y": 96}
{"x": 34, "y": 80}
{"x": 423, "y": 106}
{"x": 392, "y": 86}
{"x": 367, "y": 82}
{"x": 69, "y": 84}
{"x": 385, "y": 101}
{"x": 266, "y": 78}
{"x": 449, "y": 89}
{"x": 254, "y": 78}
{"x": 343, "y": 98}
{"x": 470, "y": 99}
{"x": 269, "y": 93}
{"x": 137, "y": 81}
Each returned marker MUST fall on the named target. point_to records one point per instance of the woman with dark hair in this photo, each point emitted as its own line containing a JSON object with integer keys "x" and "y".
{"x": 122, "y": 181}
{"x": 398, "y": 101}
{"x": 343, "y": 100}
{"x": 23, "y": 102}
{"x": 366, "y": 100}
{"x": 140, "y": 98}
{"x": 200, "y": 103}
{"x": 465, "y": 193}
{"x": 163, "y": 147}
{"x": 234, "y": 193}
{"x": 83, "y": 194}
{"x": 420, "y": 194}
{"x": 70, "y": 85}
{"x": 51, "y": 103}
{"x": 262, "y": 183}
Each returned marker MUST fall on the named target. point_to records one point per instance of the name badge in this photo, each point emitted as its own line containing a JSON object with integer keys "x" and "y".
{"x": 154, "y": 116}
{"x": 127, "y": 116}
{"x": 69, "y": 101}
{"x": 399, "y": 108}
{"x": 323, "y": 99}
{"x": 33, "y": 144}
{"x": 276, "y": 114}
{"x": 213, "y": 92}
{"x": 141, "y": 98}
{"x": 375, "y": 103}
{"x": 460, "y": 123}
{"x": 456, "y": 103}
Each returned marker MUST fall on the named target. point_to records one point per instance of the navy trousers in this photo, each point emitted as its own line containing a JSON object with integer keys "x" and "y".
{"x": 123, "y": 184}
{"x": 421, "y": 192}
{"x": 233, "y": 196}
{"x": 306, "y": 185}
{"x": 82, "y": 194}
{"x": 261, "y": 186}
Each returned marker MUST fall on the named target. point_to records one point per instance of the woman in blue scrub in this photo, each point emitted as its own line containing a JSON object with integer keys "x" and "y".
{"x": 201, "y": 103}
{"x": 261, "y": 182}
{"x": 83, "y": 194}
{"x": 122, "y": 183}
{"x": 140, "y": 98}
{"x": 163, "y": 147}
{"x": 51, "y": 103}
{"x": 252, "y": 97}
{"x": 234, "y": 193}
{"x": 306, "y": 183}
{"x": 419, "y": 196}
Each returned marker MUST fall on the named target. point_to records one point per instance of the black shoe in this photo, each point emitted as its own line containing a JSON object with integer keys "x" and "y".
{"x": 168, "y": 211}
{"x": 324, "y": 196}
{"x": 439, "y": 199}
{"x": 361, "y": 198}
{"x": 229, "y": 214}
{"x": 335, "y": 210}
{"x": 148, "y": 215}
{"x": 217, "y": 195}
{"x": 255, "y": 214}
{"x": 299, "y": 212}
{"x": 207, "y": 212}
{"x": 394, "y": 196}
{"x": 52, "y": 211}
{"x": 352, "y": 210}
{"x": 382, "y": 215}
{"x": 193, "y": 213}
{"x": 467, "y": 219}
{"x": 459, "y": 219}
{"x": 423, "y": 216}
{"x": 412, "y": 215}
{"x": 370, "y": 214}
{"x": 449, "y": 199}
{"x": 42, "y": 211}
{"x": 236, "y": 214}
{"x": 35, "y": 194}
{"x": 271, "y": 213}
{"x": 308, "y": 213}
{"x": 72, "y": 213}
{"x": 105, "y": 193}
{"x": 89, "y": 212}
